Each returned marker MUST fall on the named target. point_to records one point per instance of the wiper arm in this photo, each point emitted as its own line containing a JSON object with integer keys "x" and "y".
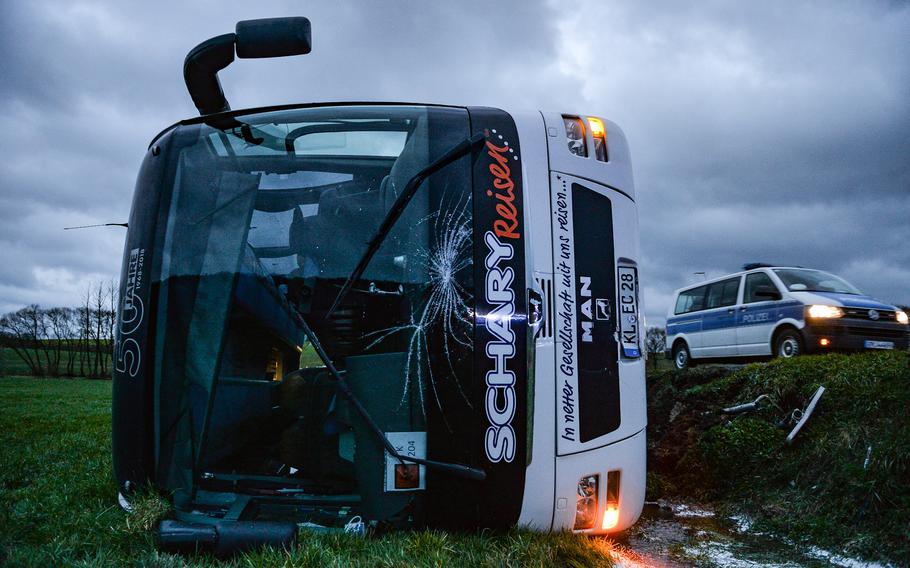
{"x": 452, "y": 468}
{"x": 398, "y": 207}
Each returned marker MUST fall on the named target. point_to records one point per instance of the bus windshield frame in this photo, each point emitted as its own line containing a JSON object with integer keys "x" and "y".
{"x": 265, "y": 217}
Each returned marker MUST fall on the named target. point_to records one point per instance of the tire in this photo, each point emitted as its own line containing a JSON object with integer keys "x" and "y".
{"x": 789, "y": 344}
{"x": 682, "y": 359}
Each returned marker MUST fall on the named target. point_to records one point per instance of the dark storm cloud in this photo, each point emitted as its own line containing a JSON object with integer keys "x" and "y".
{"x": 759, "y": 132}
{"x": 87, "y": 85}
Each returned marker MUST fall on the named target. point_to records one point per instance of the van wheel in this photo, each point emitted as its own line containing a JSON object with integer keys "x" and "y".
{"x": 789, "y": 344}
{"x": 681, "y": 357}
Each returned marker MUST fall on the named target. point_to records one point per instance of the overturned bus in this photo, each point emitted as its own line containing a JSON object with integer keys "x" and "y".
{"x": 418, "y": 315}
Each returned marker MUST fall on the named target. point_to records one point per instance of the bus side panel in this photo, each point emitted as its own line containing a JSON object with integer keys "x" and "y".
{"x": 495, "y": 433}
{"x": 132, "y": 428}
{"x": 538, "y": 502}
{"x": 500, "y": 336}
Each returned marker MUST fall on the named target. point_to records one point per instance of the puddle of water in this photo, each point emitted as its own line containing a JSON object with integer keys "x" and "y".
{"x": 682, "y": 534}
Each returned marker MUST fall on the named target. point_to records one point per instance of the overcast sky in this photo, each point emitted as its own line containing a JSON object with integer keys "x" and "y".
{"x": 759, "y": 131}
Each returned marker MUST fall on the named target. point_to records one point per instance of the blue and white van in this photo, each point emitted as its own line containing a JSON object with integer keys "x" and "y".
{"x": 779, "y": 311}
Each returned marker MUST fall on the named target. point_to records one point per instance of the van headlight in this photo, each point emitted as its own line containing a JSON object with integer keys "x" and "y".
{"x": 901, "y": 317}
{"x": 586, "y": 504}
{"x": 824, "y": 312}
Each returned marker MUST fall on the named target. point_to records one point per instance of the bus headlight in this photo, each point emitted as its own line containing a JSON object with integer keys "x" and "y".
{"x": 575, "y": 135}
{"x": 586, "y": 504}
{"x": 824, "y": 312}
{"x": 901, "y": 317}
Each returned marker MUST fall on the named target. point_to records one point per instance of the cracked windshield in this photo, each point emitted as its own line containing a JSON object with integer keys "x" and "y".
{"x": 268, "y": 217}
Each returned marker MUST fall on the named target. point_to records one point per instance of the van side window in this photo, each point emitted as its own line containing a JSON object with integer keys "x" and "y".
{"x": 723, "y": 293}
{"x": 690, "y": 300}
{"x": 755, "y": 281}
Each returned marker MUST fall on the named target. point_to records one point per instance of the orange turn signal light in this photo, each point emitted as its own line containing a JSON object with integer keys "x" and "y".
{"x": 611, "y": 517}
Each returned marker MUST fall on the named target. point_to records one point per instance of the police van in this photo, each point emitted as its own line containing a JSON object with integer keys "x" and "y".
{"x": 780, "y": 311}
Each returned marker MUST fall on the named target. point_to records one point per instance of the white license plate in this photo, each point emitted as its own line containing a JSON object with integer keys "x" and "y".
{"x": 629, "y": 328}
{"x": 869, "y": 344}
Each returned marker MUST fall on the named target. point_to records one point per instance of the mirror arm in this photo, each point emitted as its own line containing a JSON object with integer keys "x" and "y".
{"x": 200, "y": 72}
{"x": 270, "y": 37}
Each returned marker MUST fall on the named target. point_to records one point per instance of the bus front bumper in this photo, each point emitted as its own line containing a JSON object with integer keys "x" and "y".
{"x": 625, "y": 456}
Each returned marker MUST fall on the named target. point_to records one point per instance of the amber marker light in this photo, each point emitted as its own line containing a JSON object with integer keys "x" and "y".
{"x": 611, "y": 517}
{"x": 599, "y": 134}
{"x": 611, "y": 511}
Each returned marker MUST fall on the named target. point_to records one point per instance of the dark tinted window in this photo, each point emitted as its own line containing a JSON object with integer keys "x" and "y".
{"x": 261, "y": 231}
{"x": 723, "y": 293}
{"x": 753, "y": 283}
{"x": 690, "y": 300}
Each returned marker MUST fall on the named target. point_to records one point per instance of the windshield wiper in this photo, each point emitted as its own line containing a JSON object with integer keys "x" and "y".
{"x": 398, "y": 207}
{"x": 451, "y": 468}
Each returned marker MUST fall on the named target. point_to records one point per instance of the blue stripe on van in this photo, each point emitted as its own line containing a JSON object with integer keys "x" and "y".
{"x": 794, "y": 310}
{"x": 721, "y": 318}
{"x": 686, "y": 323}
{"x": 718, "y": 318}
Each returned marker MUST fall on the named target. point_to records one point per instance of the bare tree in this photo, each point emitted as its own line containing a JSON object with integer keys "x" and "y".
{"x": 111, "y": 319}
{"x": 56, "y": 340}
{"x": 84, "y": 326}
{"x": 70, "y": 341}
{"x": 21, "y": 331}
{"x": 98, "y": 320}
{"x": 655, "y": 342}
{"x": 64, "y": 332}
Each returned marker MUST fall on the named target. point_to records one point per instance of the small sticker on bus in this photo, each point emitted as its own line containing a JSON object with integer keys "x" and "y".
{"x": 406, "y": 476}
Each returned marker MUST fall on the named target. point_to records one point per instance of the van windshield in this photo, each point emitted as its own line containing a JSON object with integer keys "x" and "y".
{"x": 804, "y": 280}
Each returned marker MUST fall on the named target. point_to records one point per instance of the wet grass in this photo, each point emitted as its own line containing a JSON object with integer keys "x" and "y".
{"x": 58, "y": 508}
{"x": 843, "y": 483}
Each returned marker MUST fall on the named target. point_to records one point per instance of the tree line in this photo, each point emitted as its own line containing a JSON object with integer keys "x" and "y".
{"x": 65, "y": 341}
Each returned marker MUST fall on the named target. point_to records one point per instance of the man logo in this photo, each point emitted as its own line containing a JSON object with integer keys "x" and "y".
{"x": 873, "y": 314}
{"x": 603, "y": 309}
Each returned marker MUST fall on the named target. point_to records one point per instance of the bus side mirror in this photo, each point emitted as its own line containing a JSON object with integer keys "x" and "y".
{"x": 273, "y": 37}
{"x": 252, "y": 39}
{"x": 767, "y": 292}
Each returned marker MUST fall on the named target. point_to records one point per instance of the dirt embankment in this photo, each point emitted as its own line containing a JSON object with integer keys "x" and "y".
{"x": 844, "y": 481}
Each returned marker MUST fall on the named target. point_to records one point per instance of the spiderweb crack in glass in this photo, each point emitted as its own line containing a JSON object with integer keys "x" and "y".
{"x": 444, "y": 311}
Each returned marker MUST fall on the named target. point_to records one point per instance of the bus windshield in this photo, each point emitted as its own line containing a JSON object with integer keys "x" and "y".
{"x": 804, "y": 280}
{"x": 263, "y": 219}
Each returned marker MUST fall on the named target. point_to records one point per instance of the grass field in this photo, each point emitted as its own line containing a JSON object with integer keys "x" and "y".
{"x": 58, "y": 508}
{"x": 11, "y": 364}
